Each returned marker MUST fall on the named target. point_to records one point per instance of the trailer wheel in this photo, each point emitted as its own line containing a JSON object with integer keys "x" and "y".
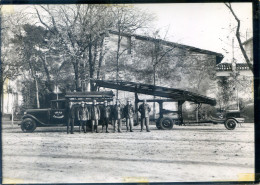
{"x": 230, "y": 124}
{"x": 166, "y": 123}
{"x": 28, "y": 125}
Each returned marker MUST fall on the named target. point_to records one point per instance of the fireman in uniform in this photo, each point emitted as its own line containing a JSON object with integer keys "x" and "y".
{"x": 105, "y": 116}
{"x": 95, "y": 116}
{"x": 83, "y": 115}
{"x": 117, "y": 116}
{"x": 71, "y": 110}
{"x": 144, "y": 109}
{"x": 129, "y": 113}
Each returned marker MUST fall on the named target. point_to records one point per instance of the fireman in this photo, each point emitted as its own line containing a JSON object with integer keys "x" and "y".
{"x": 144, "y": 109}
{"x": 95, "y": 116}
{"x": 129, "y": 113}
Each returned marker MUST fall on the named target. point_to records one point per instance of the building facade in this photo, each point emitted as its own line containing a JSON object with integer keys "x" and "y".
{"x": 158, "y": 62}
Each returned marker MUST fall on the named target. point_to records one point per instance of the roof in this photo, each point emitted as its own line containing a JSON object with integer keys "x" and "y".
{"x": 172, "y": 93}
{"x": 219, "y": 56}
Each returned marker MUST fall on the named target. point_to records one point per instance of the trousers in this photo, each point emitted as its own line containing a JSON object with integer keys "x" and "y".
{"x": 83, "y": 124}
{"x": 105, "y": 122}
{"x": 129, "y": 122}
{"x": 117, "y": 122}
{"x": 94, "y": 122}
{"x": 146, "y": 122}
{"x": 70, "y": 125}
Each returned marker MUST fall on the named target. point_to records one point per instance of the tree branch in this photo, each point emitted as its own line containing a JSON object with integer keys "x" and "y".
{"x": 250, "y": 65}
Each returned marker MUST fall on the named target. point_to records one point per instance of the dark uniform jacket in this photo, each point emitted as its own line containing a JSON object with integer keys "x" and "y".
{"x": 83, "y": 113}
{"x": 111, "y": 107}
{"x": 72, "y": 112}
{"x": 144, "y": 109}
{"x": 129, "y": 111}
{"x": 117, "y": 111}
{"x": 105, "y": 112}
{"x": 95, "y": 112}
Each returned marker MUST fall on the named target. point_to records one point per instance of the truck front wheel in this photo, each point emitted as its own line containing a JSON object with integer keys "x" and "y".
{"x": 230, "y": 124}
{"x": 28, "y": 125}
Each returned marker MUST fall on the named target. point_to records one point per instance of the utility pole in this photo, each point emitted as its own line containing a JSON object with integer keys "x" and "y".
{"x": 156, "y": 48}
{"x": 12, "y": 108}
{"x": 234, "y": 71}
{"x": 233, "y": 49}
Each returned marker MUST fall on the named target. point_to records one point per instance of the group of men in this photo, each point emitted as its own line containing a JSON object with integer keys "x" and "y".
{"x": 106, "y": 114}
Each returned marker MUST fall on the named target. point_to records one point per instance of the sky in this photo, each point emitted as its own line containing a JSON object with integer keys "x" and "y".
{"x": 204, "y": 25}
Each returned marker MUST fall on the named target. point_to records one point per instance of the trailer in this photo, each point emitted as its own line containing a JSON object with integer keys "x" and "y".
{"x": 229, "y": 119}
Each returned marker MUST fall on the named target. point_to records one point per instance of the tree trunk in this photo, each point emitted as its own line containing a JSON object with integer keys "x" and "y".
{"x": 37, "y": 93}
{"x": 100, "y": 61}
{"x": 154, "y": 83}
{"x": 48, "y": 84}
{"x": 36, "y": 82}
{"x": 2, "y": 98}
{"x": 117, "y": 59}
{"x": 91, "y": 67}
{"x": 76, "y": 73}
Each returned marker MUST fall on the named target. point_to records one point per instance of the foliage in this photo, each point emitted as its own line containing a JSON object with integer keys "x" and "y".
{"x": 65, "y": 44}
{"x": 224, "y": 92}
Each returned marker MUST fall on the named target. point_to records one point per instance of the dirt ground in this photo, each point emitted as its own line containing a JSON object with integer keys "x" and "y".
{"x": 186, "y": 153}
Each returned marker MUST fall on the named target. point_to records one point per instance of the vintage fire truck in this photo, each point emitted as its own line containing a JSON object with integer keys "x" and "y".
{"x": 57, "y": 115}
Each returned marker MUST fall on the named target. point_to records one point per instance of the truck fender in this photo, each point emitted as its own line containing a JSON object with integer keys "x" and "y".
{"x": 34, "y": 118}
{"x": 238, "y": 120}
{"x": 231, "y": 118}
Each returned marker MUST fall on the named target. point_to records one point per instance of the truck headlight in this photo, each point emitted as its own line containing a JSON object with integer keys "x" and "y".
{"x": 25, "y": 113}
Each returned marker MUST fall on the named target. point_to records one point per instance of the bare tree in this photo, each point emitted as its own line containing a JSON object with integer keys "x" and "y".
{"x": 250, "y": 65}
{"x": 127, "y": 20}
{"x": 79, "y": 31}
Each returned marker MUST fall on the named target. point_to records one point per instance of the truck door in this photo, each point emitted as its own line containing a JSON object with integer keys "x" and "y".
{"x": 57, "y": 114}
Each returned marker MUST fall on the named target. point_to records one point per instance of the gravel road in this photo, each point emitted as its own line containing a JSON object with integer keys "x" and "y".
{"x": 186, "y": 153}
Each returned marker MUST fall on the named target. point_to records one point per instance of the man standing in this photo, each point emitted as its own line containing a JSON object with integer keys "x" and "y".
{"x": 144, "y": 109}
{"x": 83, "y": 115}
{"x": 71, "y": 117}
{"x": 105, "y": 116}
{"x": 95, "y": 116}
{"x": 129, "y": 113}
{"x": 117, "y": 111}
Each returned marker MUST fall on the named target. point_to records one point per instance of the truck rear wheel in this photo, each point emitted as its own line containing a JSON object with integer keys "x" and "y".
{"x": 28, "y": 125}
{"x": 166, "y": 123}
{"x": 230, "y": 124}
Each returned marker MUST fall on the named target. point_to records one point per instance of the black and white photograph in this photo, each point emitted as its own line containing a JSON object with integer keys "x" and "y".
{"x": 127, "y": 93}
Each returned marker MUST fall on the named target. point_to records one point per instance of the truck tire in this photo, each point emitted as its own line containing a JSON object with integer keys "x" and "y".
{"x": 166, "y": 123}
{"x": 230, "y": 124}
{"x": 28, "y": 125}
